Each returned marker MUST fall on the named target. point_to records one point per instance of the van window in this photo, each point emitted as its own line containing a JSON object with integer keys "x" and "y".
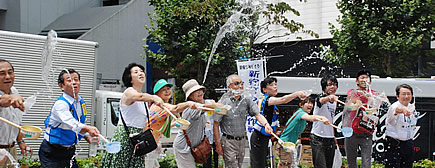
{"x": 114, "y": 110}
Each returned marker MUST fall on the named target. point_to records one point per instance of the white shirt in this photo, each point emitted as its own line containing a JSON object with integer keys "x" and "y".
{"x": 8, "y": 132}
{"x": 134, "y": 115}
{"x": 62, "y": 117}
{"x": 400, "y": 126}
{"x": 327, "y": 110}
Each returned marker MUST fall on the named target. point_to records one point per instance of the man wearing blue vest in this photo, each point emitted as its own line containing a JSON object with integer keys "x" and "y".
{"x": 267, "y": 104}
{"x": 65, "y": 125}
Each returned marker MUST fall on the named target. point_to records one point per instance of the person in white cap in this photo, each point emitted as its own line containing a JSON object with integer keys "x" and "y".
{"x": 194, "y": 92}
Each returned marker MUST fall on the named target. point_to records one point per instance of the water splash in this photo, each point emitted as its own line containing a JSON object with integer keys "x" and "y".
{"x": 236, "y": 21}
{"x": 315, "y": 55}
{"x": 47, "y": 54}
{"x": 4, "y": 153}
{"x": 47, "y": 60}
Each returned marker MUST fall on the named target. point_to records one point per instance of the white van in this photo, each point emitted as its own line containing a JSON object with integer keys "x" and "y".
{"x": 107, "y": 111}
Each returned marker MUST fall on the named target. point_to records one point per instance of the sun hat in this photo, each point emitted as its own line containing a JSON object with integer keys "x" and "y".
{"x": 160, "y": 84}
{"x": 190, "y": 86}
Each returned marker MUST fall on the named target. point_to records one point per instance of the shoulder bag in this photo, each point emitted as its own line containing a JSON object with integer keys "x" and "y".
{"x": 202, "y": 152}
{"x": 143, "y": 142}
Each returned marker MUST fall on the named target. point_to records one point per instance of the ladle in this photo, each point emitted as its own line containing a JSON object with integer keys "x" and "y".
{"x": 288, "y": 146}
{"x": 219, "y": 110}
{"x": 111, "y": 147}
{"x": 365, "y": 108}
{"x": 29, "y": 132}
{"x": 181, "y": 123}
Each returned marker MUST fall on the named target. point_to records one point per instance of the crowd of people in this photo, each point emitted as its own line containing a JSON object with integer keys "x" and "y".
{"x": 65, "y": 125}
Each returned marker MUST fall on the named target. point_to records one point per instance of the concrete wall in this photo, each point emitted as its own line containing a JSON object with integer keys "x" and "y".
{"x": 31, "y": 16}
{"x": 314, "y": 14}
{"x": 120, "y": 39}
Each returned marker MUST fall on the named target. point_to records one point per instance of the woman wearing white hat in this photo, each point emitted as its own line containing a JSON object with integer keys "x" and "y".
{"x": 195, "y": 132}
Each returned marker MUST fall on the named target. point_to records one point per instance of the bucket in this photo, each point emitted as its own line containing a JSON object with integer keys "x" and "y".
{"x": 182, "y": 124}
{"x": 113, "y": 147}
{"x": 31, "y": 132}
{"x": 347, "y": 131}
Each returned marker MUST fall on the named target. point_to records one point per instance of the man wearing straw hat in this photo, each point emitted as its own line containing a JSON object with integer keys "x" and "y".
{"x": 11, "y": 108}
{"x": 232, "y": 143}
{"x": 65, "y": 124}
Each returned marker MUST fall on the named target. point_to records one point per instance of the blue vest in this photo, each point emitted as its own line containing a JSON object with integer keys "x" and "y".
{"x": 65, "y": 136}
{"x": 275, "y": 122}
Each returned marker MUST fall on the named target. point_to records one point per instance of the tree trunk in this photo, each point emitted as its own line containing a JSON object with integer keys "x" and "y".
{"x": 386, "y": 64}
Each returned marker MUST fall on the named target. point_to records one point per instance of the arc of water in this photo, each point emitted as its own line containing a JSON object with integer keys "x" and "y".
{"x": 46, "y": 64}
{"x": 232, "y": 23}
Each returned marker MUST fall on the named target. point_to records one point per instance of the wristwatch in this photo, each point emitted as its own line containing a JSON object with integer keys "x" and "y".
{"x": 19, "y": 142}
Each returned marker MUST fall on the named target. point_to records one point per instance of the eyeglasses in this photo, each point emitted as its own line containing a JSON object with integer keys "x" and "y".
{"x": 406, "y": 94}
{"x": 331, "y": 84}
{"x": 238, "y": 83}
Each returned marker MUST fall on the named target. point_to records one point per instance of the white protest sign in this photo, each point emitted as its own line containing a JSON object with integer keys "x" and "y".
{"x": 251, "y": 73}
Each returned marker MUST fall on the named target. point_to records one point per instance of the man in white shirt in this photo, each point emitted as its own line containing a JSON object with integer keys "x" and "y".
{"x": 65, "y": 125}
{"x": 322, "y": 137}
{"x": 11, "y": 108}
{"x": 400, "y": 130}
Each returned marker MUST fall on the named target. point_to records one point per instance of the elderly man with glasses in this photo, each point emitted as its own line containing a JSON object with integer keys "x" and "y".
{"x": 232, "y": 143}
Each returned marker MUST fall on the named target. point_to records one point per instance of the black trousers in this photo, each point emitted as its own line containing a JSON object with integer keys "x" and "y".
{"x": 399, "y": 154}
{"x": 259, "y": 149}
{"x": 212, "y": 161}
{"x": 56, "y": 156}
{"x": 323, "y": 151}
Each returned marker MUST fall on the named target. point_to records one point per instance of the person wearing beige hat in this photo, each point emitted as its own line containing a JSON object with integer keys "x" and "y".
{"x": 194, "y": 92}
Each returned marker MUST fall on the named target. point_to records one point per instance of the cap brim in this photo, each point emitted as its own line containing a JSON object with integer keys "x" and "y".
{"x": 170, "y": 85}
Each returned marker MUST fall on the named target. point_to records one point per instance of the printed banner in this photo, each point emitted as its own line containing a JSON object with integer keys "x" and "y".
{"x": 251, "y": 73}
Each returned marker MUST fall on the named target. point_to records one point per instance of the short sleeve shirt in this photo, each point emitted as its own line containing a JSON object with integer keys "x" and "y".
{"x": 234, "y": 122}
{"x": 160, "y": 121}
{"x": 327, "y": 110}
{"x": 195, "y": 132}
{"x": 295, "y": 128}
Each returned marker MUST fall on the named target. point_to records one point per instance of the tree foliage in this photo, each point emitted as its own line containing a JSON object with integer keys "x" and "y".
{"x": 388, "y": 35}
{"x": 187, "y": 29}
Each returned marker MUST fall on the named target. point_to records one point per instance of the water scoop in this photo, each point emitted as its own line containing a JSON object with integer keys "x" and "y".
{"x": 111, "y": 147}
{"x": 347, "y": 131}
{"x": 288, "y": 146}
{"x": 219, "y": 110}
{"x": 29, "y": 132}
{"x": 180, "y": 123}
{"x": 365, "y": 108}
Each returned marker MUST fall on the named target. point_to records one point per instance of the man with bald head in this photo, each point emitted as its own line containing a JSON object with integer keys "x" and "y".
{"x": 232, "y": 143}
{"x": 11, "y": 108}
